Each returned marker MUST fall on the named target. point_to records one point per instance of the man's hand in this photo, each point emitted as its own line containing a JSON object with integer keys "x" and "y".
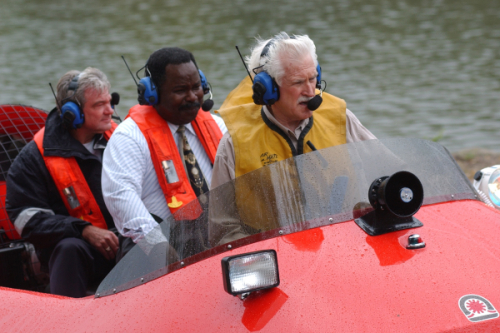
{"x": 104, "y": 241}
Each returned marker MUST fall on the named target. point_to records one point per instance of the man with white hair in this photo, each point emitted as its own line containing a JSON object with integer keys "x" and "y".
{"x": 272, "y": 118}
{"x": 54, "y": 195}
{"x": 279, "y": 122}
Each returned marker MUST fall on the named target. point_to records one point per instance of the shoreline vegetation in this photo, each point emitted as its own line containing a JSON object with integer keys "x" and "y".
{"x": 474, "y": 159}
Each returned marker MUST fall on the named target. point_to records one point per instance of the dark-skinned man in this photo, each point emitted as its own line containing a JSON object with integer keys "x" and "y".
{"x": 160, "y": 158}
{"x": 54, "y": 192}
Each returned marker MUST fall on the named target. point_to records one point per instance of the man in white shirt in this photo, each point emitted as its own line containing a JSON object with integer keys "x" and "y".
{"x": 150, "y": 171}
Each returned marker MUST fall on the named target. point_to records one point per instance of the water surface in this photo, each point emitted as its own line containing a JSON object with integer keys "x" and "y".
{"x": 412, "y": 68}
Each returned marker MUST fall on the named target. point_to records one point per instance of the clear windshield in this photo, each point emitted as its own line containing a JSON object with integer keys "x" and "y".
{"x": 323, "y": 187}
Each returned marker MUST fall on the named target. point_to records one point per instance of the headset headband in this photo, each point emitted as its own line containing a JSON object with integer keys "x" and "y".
{"x": 73, "y": 85}
{"x": 265, "y": 50}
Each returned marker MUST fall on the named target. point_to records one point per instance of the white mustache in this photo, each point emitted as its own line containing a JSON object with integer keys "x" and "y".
{"x": 303, "y": 99}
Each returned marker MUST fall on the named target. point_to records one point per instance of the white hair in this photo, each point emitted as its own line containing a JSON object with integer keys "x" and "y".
{"x": 90, "y": 78}
{"x": 280, "y": 47}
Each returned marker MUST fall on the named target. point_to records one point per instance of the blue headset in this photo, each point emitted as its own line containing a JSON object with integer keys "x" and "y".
{"x": 71, "y": 112}
{"x": 148, "y": 94}
{"x": 265, "y": 89}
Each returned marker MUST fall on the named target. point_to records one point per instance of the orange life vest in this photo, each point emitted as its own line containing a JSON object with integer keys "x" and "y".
{"x": 162, "y": 147}
{"x": 71, "y": 183}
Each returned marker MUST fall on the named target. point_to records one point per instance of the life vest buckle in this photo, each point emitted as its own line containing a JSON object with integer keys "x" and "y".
{"x": 69, "y": 193}
{"x": 169, "y": 171}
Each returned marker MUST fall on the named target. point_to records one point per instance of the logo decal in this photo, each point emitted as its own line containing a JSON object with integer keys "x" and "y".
{"x": 477, "y": 308}
{"x": 268, "y": 158}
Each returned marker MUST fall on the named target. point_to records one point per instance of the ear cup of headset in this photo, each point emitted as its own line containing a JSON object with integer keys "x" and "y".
{"x": 208, "y": 103}
{"x": 258, "y": 93}
{"x": 72, "y": 116}
{"x": 265, "y": 89}
{"x": 148, "y": 95}
{"x": 141, "y": 88}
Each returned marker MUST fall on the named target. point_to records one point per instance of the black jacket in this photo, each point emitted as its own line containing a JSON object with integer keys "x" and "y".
{"x": 29, "y": 185}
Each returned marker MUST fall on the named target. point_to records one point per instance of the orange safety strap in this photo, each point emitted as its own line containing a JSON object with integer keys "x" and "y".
{"x": 72, "y": 185}
{"x": 163, "y": 148}
{"x": 208, "y": 132}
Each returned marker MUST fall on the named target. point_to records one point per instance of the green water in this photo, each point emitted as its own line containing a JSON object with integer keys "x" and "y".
{"x": 407, "y": 68}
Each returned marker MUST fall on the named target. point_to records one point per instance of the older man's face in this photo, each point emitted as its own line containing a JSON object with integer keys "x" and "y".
{"x": 296, "y": 89}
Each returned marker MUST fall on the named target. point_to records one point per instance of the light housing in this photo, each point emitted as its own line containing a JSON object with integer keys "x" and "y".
{"x": 248, "y": 272}
{"x": 487, "y": 184}
{"x": 494, "y": 187}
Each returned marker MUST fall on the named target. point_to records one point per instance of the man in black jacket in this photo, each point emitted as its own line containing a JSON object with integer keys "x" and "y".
{"x": 54, "y": 195}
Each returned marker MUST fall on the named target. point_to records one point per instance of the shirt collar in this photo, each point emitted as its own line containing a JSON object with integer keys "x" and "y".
{"x": 298, "y": 130}
{"x": 174, "y": 128}
{"x": 100, "y": 141}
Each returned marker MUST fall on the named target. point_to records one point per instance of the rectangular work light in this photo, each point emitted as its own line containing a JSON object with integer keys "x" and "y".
{"x": 249, "y": 272}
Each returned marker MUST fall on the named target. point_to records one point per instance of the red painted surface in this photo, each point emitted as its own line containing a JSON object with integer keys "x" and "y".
{"x": 348, "y": 282}
{"x": 391, "y": 248}
{"x": 21, "y": 120}
{"x": 5, "y": 223}
{"x": 260, "y": 308}
{"x": 18, "y": 121}
{"x": 306, "y": 241}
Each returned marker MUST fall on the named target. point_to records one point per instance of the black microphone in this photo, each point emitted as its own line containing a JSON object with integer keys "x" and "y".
{"x": 314, "y": 102}
{"x": 115, "y": 99}
{"x": 207, "y": 105}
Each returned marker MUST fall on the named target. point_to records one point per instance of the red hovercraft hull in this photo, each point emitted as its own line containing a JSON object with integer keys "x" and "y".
{"x": 333, "y": 279}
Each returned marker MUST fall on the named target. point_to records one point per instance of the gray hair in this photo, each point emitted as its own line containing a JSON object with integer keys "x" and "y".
{"x": 90, "y": 78}
{"x": 282, "y": 46}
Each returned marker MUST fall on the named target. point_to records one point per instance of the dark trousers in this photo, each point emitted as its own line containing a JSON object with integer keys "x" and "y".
{"x": 74, "y": 265}
{"x": 126, "y": 244}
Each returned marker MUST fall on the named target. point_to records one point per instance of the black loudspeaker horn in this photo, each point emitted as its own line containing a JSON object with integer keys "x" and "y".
{"x": 395, "y": 200}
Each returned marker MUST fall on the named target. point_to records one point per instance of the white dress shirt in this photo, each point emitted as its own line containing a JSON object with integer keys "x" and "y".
{"x": 129, "y": 183}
